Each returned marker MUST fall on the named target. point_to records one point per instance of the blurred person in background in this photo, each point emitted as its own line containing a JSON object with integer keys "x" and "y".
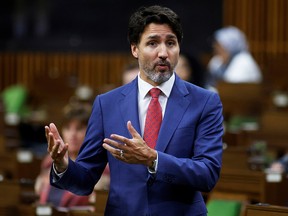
{"x": 280, "y": 165}
{"x": 74, "y": 127}
{"x": 190, "y": 69}
{"x": 183, "y": 68}
{"x": 232, "y": 62}
{"x": 130, "y": 72}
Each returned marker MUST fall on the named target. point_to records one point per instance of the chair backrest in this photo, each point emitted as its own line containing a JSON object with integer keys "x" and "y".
{"x": 217, "y": 207}
{"x": 233, "y": 199}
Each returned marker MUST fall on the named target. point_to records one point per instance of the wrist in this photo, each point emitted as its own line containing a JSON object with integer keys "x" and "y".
{"x": 152, "y": 162}
{"x": 152, "y": 165}
{"x": 152, "y": 158}
{"x": 59, "y": 169}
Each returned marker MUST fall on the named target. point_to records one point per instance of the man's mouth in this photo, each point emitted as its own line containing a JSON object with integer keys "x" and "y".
{"x": 163, "y": 66}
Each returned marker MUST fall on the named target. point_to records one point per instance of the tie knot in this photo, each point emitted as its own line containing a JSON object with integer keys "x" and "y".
{"x": 155, "y": 92}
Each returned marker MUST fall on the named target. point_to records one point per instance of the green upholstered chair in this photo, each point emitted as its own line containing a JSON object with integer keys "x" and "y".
{"x": 217, "y": 207}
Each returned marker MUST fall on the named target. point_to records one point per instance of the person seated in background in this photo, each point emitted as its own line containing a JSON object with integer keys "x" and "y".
{"x": 183, "y": 68}
{"x": 280, "y": 165}
{"x": 190, "y": 69}
{"x": 232, "y": 62}
{"x": 74, "y": 126}
{"x": 14, "y": 99}
{"x": 130, "y": 72}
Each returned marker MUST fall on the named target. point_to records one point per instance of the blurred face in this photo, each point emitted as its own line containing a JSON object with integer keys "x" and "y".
{"x": 73, "y": 133}
{"x": 129, "y": 75}
{"x": 183, "y": 68}
{"x": 221, "y": 52}
{"x": 157, "y": 53}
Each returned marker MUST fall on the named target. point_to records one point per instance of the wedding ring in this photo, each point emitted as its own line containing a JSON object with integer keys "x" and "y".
{"x": 121, "y": 153}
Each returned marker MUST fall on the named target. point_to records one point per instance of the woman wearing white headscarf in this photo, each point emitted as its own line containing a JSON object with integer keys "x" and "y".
{"x": 232, "y": 61}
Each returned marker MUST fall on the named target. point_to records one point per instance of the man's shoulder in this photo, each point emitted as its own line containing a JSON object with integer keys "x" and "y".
{"x": 192, "y": 88}
{"x": 118, "y": 92}
{"x": 197, "y": 93}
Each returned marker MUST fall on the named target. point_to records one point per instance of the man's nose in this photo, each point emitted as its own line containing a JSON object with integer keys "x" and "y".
{"x": 163, "y": 52}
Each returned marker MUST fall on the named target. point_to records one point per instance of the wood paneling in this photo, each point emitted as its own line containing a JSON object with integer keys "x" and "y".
{"x": 93, "y": 69}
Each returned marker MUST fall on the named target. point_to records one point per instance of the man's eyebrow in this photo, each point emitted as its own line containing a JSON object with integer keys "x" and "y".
{"x": 169, "y": 36}
{"x": 153, "y": 37}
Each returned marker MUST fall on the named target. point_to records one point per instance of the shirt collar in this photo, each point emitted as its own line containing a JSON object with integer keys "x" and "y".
{"x": 165, "y": 87}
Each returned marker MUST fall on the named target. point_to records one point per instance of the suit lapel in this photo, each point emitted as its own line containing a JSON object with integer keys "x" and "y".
{"x": 176, "y": 107}
{"x": 129, "y": 105}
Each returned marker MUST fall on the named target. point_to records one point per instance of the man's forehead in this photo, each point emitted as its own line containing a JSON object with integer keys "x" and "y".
{"x": 154, "y": 30}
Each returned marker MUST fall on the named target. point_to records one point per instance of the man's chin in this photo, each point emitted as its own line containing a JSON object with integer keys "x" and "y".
{"x": 164, "y": 76}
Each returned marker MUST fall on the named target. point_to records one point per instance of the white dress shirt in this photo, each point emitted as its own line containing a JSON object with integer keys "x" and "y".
{"x": 144, "y": 98}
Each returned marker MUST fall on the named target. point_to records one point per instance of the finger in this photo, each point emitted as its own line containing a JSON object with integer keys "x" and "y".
{"x": 132, "y": 130}
{"x": 114, "y": 143}
{"x": 47, "y": 131}
{"x": 54, "y": 150}
{"x": 51, "y": 143}
{"x": 55, "y": 131}
{"x": 115, "y": 152}
{"x": 62, "y": 151}
{"x": 58, "y": 151}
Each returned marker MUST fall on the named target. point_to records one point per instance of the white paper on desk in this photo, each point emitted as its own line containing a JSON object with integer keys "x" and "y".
{"x": 24, "y": 156}
{"x": 272, "y": 176}
{"x": 43, "y": 210}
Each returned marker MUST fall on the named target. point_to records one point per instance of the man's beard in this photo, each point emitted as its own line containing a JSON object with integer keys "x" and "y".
{"x": 158, "y": 76}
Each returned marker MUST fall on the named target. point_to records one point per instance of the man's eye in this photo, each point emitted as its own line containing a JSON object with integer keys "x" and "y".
{"x": 152, "y": 43}
{"x": 171, "y": 43}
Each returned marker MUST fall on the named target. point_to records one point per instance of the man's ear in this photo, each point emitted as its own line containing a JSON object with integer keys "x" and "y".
{"x": 134, "y": 50}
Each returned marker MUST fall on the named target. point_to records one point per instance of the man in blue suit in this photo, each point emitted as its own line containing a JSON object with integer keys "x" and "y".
{"x": 168, "y": 179}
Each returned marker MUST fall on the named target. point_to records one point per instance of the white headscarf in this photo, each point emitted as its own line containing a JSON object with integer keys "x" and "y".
{"x": 231, "y": 39}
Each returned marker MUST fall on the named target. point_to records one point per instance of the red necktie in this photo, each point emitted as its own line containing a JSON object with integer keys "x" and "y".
{"x": 153, "y": 119}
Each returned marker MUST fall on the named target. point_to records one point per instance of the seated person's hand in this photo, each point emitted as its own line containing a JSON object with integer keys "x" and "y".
{"x": 277, "y": 167}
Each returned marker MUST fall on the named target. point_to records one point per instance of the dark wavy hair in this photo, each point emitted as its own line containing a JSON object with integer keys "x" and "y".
{"x": 153, "y": 14}
{"x": 78, "y": 112}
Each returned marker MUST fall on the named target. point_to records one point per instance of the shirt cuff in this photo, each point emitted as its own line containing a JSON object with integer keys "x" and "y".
{"x": 153, "y": 170}
{"x": 56, "y": 176}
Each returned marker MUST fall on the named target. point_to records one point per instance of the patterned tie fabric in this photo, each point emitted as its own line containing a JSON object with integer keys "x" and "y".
{"x": 153, "y": 119}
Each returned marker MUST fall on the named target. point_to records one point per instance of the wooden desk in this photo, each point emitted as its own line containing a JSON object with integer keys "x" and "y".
{"x": 241, "y": 98}
{"x": 101, "y": 200}
{"x": 13, "y": 168}
{"x": 265, "y": 210}
{"x": 9, "y": 193}
{"x": 254, "y": 185}
{"x": 31, "y": 210}
{"x": 236, "y": 178}
{"x": 8, "y": 165}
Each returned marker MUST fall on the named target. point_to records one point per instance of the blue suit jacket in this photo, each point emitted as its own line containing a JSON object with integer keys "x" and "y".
{"x": 189, "y": 153}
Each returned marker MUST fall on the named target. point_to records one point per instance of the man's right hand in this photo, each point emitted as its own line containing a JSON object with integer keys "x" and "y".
{"x": 57, "y": 149}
